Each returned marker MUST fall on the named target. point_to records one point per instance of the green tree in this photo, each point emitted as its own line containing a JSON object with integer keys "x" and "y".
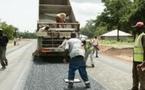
{"x": 27, "y": 35}
{"x": 118, "y": 14}
{"x": 136, "y": 14}
{"x": 89, "y": 29}
{"x": 117, "y": 10}
{"x": 115, "y": 16}
{"x": 8, "y": 29}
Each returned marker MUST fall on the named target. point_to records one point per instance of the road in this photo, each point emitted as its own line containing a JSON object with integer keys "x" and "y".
{"x": 113, "y": 74}
{"x": 24, "y": 73}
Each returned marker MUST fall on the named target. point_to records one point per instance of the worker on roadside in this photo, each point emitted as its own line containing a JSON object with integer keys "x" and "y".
{"x": 3, "y": 45}
{"x": 60, "y": 18}
{"x": 15, "y": 41}
{"x": 95, "y": 43}
{"x": 139, "y": 58}
{"x": 77, "y": 54}
{"x": 88, "y": 52}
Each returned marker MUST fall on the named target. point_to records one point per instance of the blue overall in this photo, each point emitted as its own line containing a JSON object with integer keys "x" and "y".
{"x": 77, "y": 62}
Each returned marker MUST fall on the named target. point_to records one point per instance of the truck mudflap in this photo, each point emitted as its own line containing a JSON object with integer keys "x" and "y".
{"x": 50, "y": 52}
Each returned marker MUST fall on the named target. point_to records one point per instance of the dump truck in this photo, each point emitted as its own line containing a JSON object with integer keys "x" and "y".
{"x": 49, "y": 40}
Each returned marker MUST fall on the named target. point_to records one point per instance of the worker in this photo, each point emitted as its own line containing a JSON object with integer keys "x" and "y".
{"x": 44, "y": 28}
{"x": 15, "y": 41}
{"x": 3, "y": 45}
{"x": 88, "y": 51}
{"x": 77, "y": 54}
{"x": 95, "y": 43}
{"x": 60, "y": 18}
{"x": 139, "y": 58}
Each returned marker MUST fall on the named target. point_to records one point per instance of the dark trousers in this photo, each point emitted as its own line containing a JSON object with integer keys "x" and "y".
{"x": 59, "y": 20}
{"x": 77, "y": 63}
{"x": 96, "y": 49}
{"x": 138, "y": 77}
{"x": 3, "y": 59}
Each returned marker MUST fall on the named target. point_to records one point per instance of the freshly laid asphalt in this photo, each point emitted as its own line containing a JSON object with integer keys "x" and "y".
{"x": 50, "y": 76}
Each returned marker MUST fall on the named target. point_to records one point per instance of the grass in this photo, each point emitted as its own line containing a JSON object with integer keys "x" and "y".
{"x": 117, "y": 44}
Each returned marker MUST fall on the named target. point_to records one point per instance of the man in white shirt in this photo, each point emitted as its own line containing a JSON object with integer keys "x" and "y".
{"x": 95, "y": 43}
{"x": 76, "y": 53}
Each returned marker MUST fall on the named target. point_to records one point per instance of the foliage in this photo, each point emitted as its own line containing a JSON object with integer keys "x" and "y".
{"x": 27, "y": 34}
{"x": 12, "y": 32}
{"x": 89, "y": 29}
{"x": 9, "y": 30}
{"x": 118, "y": 14}
{"x": 122, "y": 43}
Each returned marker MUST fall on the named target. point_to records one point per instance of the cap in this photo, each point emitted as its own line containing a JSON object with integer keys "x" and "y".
{"x": 139, "y": 24}
{"x": 61, "y": 15}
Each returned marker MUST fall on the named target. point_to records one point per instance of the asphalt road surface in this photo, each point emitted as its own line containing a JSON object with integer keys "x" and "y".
{"x": 25, "y": 73}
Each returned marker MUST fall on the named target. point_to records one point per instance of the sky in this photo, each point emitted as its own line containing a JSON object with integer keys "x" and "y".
{"x": 23, "y": 14}
{"x": 87, "y": 9}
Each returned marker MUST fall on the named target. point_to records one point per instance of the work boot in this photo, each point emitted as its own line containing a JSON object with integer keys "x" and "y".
{"x": 3, "y": 67}
{"x": 134, "y": 88}
{"x": 70, "y": 85}
{"x": 87, "y": 84}
{"x": 6, "y": 63}
{"x": 93, "y": 65}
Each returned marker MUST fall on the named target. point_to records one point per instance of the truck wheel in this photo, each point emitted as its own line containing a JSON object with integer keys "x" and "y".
{"x": 35, "y": 58}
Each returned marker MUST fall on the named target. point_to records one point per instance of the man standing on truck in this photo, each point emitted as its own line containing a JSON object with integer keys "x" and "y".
{"x": 139, "y": 58}
{"x": 77, "y": 54}
{"x": 60, "y": 18}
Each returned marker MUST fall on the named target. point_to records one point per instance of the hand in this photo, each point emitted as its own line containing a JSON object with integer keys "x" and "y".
{"x": 141, "y": 66}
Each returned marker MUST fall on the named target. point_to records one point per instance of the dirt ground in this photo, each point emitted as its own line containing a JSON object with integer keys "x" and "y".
{"x": 120, "y": 53}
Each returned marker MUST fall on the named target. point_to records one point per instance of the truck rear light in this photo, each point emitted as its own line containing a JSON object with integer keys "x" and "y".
{"x": 44, "y": 50}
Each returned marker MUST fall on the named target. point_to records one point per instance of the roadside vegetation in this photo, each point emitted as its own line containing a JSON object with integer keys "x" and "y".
{"x": 13, "y": 32}
{"x": 118, "y": 44}
{"x": 118, "y": 14}
{"x": 27, "y": 35}
{"x": 10, "y": 30}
